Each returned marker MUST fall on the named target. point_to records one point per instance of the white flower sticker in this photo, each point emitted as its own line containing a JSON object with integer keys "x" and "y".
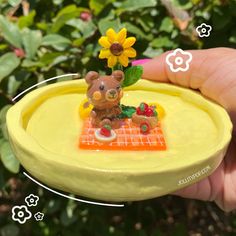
{"x": 21, "y": 214}
{"x": 204, "y": 30}
{"x": 39, "y": 216}
{"x": 32, "y": 200}
{"x": 179, "y": 60}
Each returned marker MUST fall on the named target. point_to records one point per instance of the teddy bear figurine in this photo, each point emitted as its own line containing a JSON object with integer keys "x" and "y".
{"x": 104, "y": 93}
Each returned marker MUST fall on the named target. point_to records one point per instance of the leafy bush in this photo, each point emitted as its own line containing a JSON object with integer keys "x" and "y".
{"x": 41, "y": 39}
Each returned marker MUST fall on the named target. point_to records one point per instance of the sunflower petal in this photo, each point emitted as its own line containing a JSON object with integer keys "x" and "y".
{"x": 104, "y": 42}
{"x": 112, "y": 60}
{"x": 124, "y": 60}
{"x": 104, "y": 53}
{"x": 111, "y": 35}
{"x": 121, "y": 36}
{"x": 129, "y": 42}
{"x": 130, "y": 52}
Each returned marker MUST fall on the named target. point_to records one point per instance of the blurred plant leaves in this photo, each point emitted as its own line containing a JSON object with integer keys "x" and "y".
{"x": 14, "y": 2}
{"x": 167, "y": 25}
{"x": 132, "y": 5}
{"x": 137, "y": 31}
{"x": 163, "y": 42}
{"x": 10, "y": 230}
{"x": 220, "y": 18}
{"x": 8, "y": 158}
{"x": 183, "y": 4}
{"x": 87, "y": 28}
{"x": 98, "y": 5}
{"x": 26, "y": 21}
{"x": 31, "y": 41}
{"x": 56, "y": 41}
{"x": 106, "y": 23}
{"x": 8, "y": 63}
{"x": 176, "y": 10}
{"x": 10, "y": 32}
{"x": 64, "y": 15}
{"x": 67, "y": 217}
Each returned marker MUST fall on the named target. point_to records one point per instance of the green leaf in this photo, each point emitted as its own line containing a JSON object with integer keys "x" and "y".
{"x": 31, "y": 41}
{"x": 3, "y": 113}
{"x": 3, "y": 125}
{"x": 28, "y": 63}
{"x": 3, "y": 46}
{"x": 10, "y": 32}
{"x": 56, "y": 41}
{"x": 8, "y": 158}
{"x": 78, "y": 42}
{"x": 48, "y": 58}
{"x": 132, "y": 5}
{"x": 98, "y": 5}
{"x": 14, "y": 3}
{"x": 151, "y": 52}
{"x": 57, "y": 2}
{"x": 137, "y": 31}
{"x": 8, "y": 63}
{"x": 65, "y": 15}
{"x": 127, "y": 111}
{"x": 87, "y": 29}
{"x": 132, "y": 75}
{"x": 13, "y": 85}
{"x": 182, "y": 4}
{"x": 106, "y": 23}
{"x": 167, "y": 25}
{"x": 26, "y": 21}
{"x": 163, "y": 42}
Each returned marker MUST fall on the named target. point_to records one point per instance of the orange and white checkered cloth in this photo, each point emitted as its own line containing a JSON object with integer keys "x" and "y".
{"x": 128, "y": 137}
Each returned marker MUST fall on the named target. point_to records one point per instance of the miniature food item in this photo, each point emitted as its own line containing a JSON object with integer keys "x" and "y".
{"x": 105, "y": 134}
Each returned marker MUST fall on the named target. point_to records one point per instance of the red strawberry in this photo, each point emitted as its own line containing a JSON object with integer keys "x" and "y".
{"x": 138, "y": 111}
{"x": 144, "y": 128}
{"x": 106, "y": 131}
{"x": 143, "y": 107}
{"x": 149, "y": 112}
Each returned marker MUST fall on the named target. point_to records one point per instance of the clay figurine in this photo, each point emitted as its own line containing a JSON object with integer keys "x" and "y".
{"x": 104, "y": 93}
{"x": 146, "y": 117}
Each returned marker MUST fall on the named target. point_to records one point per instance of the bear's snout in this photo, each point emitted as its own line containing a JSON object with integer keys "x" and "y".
{"x": 111, "y": 95}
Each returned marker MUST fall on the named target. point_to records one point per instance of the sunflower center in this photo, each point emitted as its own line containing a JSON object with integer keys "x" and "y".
{"x": 116, "y": 49}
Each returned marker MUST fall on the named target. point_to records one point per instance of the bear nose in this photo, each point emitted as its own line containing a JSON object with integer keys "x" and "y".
{"x": 112, "y": 92}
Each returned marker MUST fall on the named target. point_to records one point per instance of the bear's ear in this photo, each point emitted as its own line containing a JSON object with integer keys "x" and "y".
{"x": 118, "y": 75}
{"x": 90, "y": 76}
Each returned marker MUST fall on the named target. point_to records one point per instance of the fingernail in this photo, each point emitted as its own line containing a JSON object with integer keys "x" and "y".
{"x": 140, "y": 61}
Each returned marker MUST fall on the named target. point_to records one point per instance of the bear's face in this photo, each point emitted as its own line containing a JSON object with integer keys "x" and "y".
{"x": 104, "y": 92}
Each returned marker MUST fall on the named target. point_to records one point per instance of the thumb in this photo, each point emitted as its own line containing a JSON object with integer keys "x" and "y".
{"x": 157, "y": 69}
{"x": 204, "y": 63}
{"x": 211, "y": 71}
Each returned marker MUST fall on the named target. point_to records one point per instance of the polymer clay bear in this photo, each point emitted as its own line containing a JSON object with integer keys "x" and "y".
{"x": 104, "y": 93}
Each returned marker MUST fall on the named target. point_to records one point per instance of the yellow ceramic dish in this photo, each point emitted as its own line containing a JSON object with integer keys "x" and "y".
{"x": 44, "y": 129}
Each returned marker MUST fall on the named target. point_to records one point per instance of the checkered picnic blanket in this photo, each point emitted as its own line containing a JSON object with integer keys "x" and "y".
{"x": 128, "y": 137}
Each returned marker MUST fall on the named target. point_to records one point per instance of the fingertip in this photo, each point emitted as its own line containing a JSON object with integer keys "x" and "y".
{"x": 154, "y": 69}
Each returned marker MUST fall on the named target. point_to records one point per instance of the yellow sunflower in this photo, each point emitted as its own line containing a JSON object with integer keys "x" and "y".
{"x": 116, "y": 47}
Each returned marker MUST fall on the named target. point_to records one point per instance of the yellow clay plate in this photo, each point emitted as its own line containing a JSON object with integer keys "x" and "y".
{"x": 44, "y": 129}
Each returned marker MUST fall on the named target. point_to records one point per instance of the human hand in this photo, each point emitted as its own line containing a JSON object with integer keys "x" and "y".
{"x": 213, "y": 73}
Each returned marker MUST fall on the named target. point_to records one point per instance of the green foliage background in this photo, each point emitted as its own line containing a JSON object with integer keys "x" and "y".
{"x": 40, "y": 39}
